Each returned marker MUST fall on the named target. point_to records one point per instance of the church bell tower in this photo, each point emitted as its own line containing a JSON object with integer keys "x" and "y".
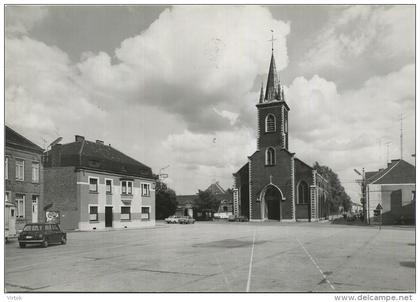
{"x": 272, "y": 113}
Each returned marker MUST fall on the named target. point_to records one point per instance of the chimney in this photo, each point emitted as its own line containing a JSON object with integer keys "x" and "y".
{"x": 99, "y": 142}
{"x": 79, "y": 138}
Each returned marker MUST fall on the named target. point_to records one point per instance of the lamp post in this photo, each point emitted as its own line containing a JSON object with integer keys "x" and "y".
{"x": 363, "y": 199}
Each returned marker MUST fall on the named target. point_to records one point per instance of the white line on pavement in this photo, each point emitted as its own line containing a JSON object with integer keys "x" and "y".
{"x": 316, "y": 264}
{"x": 248, "y": 284}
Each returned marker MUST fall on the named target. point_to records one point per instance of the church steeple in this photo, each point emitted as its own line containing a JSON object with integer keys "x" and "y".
{"x": 272, "y": 81}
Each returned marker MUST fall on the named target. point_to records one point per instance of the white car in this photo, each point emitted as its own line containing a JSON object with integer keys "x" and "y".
{"x": 172, "y": 219}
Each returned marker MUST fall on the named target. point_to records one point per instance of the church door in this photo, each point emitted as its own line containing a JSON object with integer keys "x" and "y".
{"x": 272, "y": 203}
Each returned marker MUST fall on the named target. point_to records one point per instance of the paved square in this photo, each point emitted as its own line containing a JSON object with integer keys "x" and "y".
{"x": 220, "y": 257}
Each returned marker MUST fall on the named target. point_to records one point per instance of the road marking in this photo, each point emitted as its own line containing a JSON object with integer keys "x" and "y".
{"x": 248, "y": 284}
{"x": 316, "y": 264}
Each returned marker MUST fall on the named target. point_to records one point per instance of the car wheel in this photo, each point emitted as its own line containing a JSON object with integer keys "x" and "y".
{"x": 63, "y": 240}
{"x": 22, "y": 245}
{"x": 45, "y": 243}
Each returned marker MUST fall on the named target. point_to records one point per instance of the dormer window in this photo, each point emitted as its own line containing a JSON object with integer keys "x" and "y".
{"x": 270, "y": 123}
{"x": 270, "y": 158}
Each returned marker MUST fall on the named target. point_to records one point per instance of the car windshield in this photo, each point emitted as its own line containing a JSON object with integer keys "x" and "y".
{"x": 33, "y": 227}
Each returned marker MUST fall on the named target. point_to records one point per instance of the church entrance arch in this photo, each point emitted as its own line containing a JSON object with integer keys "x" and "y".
{"x": 271, "y": 197}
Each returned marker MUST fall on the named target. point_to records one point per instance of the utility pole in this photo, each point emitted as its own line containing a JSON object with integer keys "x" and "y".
{"x": 401, "y": 136}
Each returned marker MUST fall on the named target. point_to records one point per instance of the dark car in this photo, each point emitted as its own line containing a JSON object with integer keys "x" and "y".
{"x": 42, "y": 233}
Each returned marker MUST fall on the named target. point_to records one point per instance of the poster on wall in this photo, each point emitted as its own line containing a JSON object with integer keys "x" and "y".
{"x": 52, "y": 216}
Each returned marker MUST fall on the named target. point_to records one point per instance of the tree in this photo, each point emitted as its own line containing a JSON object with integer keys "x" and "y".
{"x": 165, "y": 201}
{"x": 337, "y": 195}
{"x": 206, "y": 201}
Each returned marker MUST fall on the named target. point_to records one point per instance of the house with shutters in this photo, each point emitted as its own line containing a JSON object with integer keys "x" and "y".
{"x": 91, "y": 186}
{"x": 274, "y": 184}
{"x": 394, "y": 190}
{"x": 23, "y": 191}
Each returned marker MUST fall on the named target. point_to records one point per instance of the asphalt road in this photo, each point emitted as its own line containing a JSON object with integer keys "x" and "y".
{"x": 220, "y": 257}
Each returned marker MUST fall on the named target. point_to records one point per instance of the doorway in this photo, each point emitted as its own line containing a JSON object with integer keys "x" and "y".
{"x": 35, "y": 208}
{"x": 108, "y": 216}
{"x": 272, "y": 200}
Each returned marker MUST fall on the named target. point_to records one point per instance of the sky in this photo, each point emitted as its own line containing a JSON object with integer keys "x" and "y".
{"x": 178, "y": 85}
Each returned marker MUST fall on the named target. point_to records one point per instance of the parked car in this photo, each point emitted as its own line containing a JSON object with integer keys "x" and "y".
{"x": 232, "y": 218}
{"x": 41, "y": 233}
{"x": 172, "y": 219}
{"x": 186, "y": 220}
{"x": 241, "y": 219}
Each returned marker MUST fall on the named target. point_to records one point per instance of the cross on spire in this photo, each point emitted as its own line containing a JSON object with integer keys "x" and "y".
{"x": 272, "y": 40}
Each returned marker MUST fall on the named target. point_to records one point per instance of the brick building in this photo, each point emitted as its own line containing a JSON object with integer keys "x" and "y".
{"x": 394, "y": 189}
{"x": 274, "y": 184}
{"x": 23, "y": 179}
{"x": 94, "y": 186}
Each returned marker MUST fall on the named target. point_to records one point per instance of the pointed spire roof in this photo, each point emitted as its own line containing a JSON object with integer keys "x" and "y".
{"x": 272, "y": 81}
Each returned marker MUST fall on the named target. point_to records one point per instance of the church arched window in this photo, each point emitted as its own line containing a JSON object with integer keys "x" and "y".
{"x": 270, "y": 157}
{"x": 270, "y": 123}
{"x": 303, "y": 193}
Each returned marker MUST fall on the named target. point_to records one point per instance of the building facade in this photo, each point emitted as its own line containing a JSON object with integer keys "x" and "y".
{"x": 274, "y": 184}
{"x": 23, "y": 180}
{"x": 392, "y": 189}
{"x": 91, "y": 186}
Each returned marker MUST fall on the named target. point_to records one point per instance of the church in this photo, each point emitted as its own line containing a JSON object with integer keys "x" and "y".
{"x": 274, "y": 184}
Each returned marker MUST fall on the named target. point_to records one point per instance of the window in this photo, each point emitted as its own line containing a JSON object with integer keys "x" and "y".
{"x": 145, "y": 213}
{"x": 20, "y": 169}
{"x": 20, "y": 201}
{"x": 270, "y": 123}
{"x": 127, "y": 187}
{"x": 145, "y": 189}
{"x": 108, "y": 183}
{"x": 93, "y": 184}
{"x": 125, "y": 213}
{"x": 6, "y": 168}
{"x": 303, "y": 193}
{"x": 270, "y": 157}
{"x": 93, "y": 213}
{"x": 35, "y": 172}
{"x": 7, "y": 196}
{"x": 413, "y": 196}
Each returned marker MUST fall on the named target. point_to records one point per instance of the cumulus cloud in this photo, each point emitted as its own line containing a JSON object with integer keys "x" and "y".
{"x": 378, "y": 32}
{"x": 191, "y": 59}
{"x": 349, "y": 129}
{"x": 183, "y": 93}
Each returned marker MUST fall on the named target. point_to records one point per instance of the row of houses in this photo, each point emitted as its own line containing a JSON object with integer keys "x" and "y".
{"x": 83, "y": 185}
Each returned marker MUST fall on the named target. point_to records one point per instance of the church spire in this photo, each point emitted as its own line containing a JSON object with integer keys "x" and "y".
{"x": 272, "y": 81}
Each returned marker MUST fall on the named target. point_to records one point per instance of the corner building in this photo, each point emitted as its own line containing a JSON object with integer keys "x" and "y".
{"x": 94, "y": 186}
{"x": 274, "y": 184}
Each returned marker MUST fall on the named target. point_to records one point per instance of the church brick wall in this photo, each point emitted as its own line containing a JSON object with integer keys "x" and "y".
{"x": 281, "y": 177}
